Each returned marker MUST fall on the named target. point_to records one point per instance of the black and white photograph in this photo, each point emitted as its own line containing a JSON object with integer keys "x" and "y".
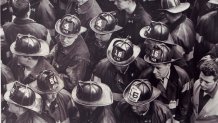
{"x": 109, "y": 61}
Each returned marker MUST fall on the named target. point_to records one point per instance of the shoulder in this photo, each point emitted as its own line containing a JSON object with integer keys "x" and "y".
{"x": 7, "y": 25}
{"x": 181, "y": 72}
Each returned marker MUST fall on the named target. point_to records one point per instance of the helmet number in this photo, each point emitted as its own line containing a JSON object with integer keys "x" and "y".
{"x": 134, "y": 94}
{"x": 66, "y": 26}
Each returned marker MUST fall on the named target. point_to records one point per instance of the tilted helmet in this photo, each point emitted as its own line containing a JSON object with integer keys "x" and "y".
{"x": 47, "y": 82}
{"x": 104, "y": 23}
{"x": 23, "y": 96}
{"x": 140, "y": 92}
{"x": 158, "y": 32}
{"x": 91, "y": 93}
{"x": 69, "y": 26}
{"x": 160, "y": 54}
{"x": 122, "y": 52}
{"x": 174, "y": 6}
{"x": 28, "y": 45}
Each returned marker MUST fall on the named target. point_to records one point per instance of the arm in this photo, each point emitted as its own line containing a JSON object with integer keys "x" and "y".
{"x": 76, "y": 71}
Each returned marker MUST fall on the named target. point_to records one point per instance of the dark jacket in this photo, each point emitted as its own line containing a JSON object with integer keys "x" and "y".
{"x": 133, "y": 24}
{"x": 42, "y": 11}
{"x": 207, "y": 30}
{"x": 177, "y": 93}
{"x": 18, "y": 70}
{"x": 183, "y": 34}
{"x": 23, "y": 26}
{"x": 101, "y": 114}
{"x": 33, "y": 117}
{"x": 72, "y": 63}
{"x": 62, "y": 109}
{"x": 157, "y": 113}
{"x": 85, "y": 12}
{"x": 116, "y": 80}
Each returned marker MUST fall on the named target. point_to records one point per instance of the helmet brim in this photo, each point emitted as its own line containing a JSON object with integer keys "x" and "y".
{"x": 58, "y": 30}
{"x": 106, "y": 97}
{"x": 36, "y": 106}
{"x": 144, "y": 30}
{"x": 43, "y": 51}
{"x": 180, "y": 8}
{"x": 147, "y": 59}
{"x": 213, "y": 2}
{"x": 92, "y": 26}
{"x": 33, "y": 85}
{"x": 136, "y": 51}
{"x": 154, "y": 95}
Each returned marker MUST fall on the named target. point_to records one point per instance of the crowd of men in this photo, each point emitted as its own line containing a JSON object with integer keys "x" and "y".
{"x": 109, "y": 61}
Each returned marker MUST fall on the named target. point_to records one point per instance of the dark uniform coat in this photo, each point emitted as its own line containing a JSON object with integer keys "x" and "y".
{"x": 18, "y": 70}
{"x": 157, "y": 113}
{"x": 116, "y": 80}
{"x": 71, "y": 62}
{"x": 101, "y": 114}
{"x": 62, "y": 109}
{"x": 177, "y": 93}
{"x": 133, "y": 23}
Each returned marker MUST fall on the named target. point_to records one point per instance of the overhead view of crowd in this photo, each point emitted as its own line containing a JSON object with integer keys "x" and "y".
{"x": 109, "y": 61}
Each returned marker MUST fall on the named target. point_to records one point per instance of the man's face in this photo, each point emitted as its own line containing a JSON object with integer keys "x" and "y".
{"x": 121, "y": 4}
{"x": 67, "y": 41}
{"x": 161, "y": 70}
{"x": 51, "y": 97}
{"x": 140, "y": 109}
{"x": 27, "y": 61}
{"x": 13, "y": 108}
{"x": 207, "y": 82}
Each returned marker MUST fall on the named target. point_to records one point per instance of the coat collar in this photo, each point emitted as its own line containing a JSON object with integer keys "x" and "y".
{"x": 23, "y": 21}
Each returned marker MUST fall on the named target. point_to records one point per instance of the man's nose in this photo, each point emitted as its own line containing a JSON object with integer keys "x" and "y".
{"x": 155, "y": 70}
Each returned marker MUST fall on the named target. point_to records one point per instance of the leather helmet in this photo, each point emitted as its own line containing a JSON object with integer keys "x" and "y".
{"x": 28, "y": 45}
{"x": 47, "y": 81}
{"x": 155, "y": 31}
{"x": 69, "y": 26}
{"x": 22, "y": 95}
{"x": 140, "y": 92}
{"x": 122, "y": 50}
{"x": 160, "y": 54}
{"x": 104, "y": 23}
{"x": 89, "y": 91}
{"x": 174, "y": 6}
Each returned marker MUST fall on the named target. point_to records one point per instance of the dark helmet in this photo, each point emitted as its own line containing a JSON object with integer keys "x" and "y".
{"x": 29, "y": 45}
{"x": 104, "y": 23}
{"x": 140, "y": 92}
{"x": 47, "y": 82}
{"x": 156, "y": 31}
{"x": 160, "y": 54}
{"x": 122, "y": 52}
{"x": 69, "y": 25}
{"x": 174, "y": 6}
{"x": 89, "y": 91}
{"x": 22, "y": 95}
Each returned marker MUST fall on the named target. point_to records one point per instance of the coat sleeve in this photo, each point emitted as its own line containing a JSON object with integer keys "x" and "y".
{"x": 183, "y": 107}
{"x": 77, "y": 70}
